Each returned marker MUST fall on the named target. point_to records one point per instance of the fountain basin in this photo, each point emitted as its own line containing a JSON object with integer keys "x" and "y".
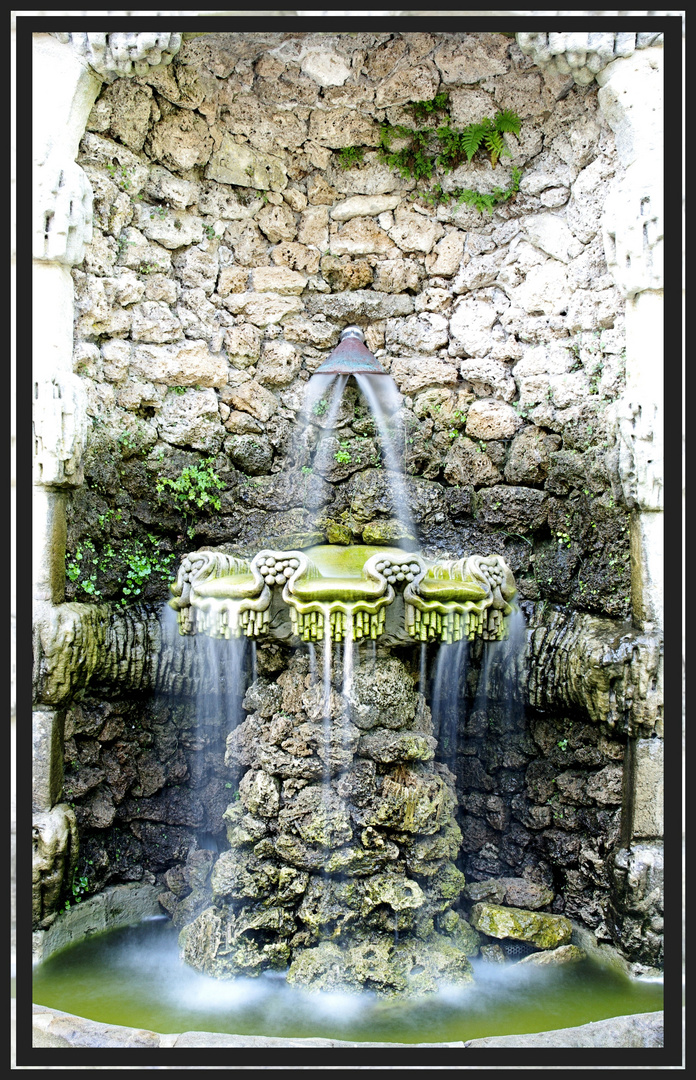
{"x": 163, "y": 1004}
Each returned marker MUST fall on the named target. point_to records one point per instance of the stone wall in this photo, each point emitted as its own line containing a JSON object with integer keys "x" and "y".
{"x": 231, "y": 247}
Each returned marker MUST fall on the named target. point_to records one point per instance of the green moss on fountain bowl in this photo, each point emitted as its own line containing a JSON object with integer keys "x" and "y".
{"x": 449, "y": 589}
{"x": 229, "y": 587}
{"x": 341, "y": 574}
{"x": 347, "y": 561}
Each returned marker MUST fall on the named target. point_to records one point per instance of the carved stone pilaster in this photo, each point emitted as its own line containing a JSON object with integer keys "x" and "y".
{"x": 633, "y": 232}
{"x": 114, "y": 56}
{"x": 59, "y": 431}
{"x": 62, "y": 211}
{"x": 581, "y": 55}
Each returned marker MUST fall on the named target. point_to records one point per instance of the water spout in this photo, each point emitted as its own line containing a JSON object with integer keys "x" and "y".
{"x": 351, "y": 356}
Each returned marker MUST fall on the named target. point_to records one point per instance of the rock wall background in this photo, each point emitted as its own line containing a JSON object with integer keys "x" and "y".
{"x": 230, "y": 248}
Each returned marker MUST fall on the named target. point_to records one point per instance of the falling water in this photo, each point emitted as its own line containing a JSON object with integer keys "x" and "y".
{"x": 215, "y": 671}
{"x": 449, "y": 697}
{"x": 384, "y": 399}
{"x": 501, "y": 675}
{"x": 348, "y": 661}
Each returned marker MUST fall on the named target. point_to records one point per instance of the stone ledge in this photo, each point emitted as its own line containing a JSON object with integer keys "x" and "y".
{"x": 52, "y": 1028}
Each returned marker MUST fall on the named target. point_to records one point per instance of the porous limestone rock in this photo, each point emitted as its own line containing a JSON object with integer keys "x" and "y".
{"x": 546, "y": 931}
{"x": 564, "y": 954}
{"x": 344, "y": 830}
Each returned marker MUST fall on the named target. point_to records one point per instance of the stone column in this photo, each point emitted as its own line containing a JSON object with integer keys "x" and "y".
{"x": 629, "y": 70}
{"x": 68, "y": 72}
{"x": 631, "y": 98}
{"x": 64, "y": 91}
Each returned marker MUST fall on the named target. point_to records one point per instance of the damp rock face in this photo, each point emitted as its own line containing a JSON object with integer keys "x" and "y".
{"x": 544, "y": 930}
{"x": 342, "y": 839}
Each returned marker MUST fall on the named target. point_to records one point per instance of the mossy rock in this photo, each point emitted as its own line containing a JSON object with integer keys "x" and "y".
{"x": 538, "y": 927}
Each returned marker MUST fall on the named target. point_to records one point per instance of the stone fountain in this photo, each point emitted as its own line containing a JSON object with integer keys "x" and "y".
{"x": 343, "y": 840}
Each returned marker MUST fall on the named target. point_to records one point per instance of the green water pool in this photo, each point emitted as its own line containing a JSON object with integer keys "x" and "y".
{"x": 133, "y": 977}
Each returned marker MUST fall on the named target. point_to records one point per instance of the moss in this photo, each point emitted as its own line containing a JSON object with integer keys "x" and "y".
{"x": 541, "y": 929}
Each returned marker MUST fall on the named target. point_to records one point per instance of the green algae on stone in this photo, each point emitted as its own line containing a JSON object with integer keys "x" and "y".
{"x": 538, "y": 927}
{"x": 411, "y": 968}
{"x": 564, "y": 954}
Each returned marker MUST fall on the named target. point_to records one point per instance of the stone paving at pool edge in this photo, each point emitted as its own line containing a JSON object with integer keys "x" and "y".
{"x": 52, "y": 1028}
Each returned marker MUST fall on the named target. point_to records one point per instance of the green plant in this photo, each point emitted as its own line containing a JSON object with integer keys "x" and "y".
{"x": 79, "y": 888}
{"x": 319, "y": 408}
{"x": 209, "y": 231}
{"x": 194, "y": 490}
{"x": 179, "y": 389}
{"x": 343, "y": 456}
{"x": 429, "y": 150}
{"x": 81, "y": 568}
{"x": 126, "y": 441}
{"x": 122, "y": 244}
{"x": 141, "y": 560}
{"x": 121, "y": 174}
{"x": 306, "y": 469}
{"x": 350, "y": 155}
{"x": 422, "y": 109}
{"x": 563, "y": 538}
{"x": 562, "y": 744}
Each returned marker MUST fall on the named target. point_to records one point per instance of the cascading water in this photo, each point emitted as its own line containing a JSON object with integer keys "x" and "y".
{"x": 384, "y": 399}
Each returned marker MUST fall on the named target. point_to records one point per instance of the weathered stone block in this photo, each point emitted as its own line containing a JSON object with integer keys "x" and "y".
{"x": 416, "y": 373}
{"x": 492, "y": 419}
{"x": 423, "y": 333}
{"x": 541, "y": 929}
{"x": 189, "y": 363}
{"x": 191, "y": 419}
{"x": 237, "y": 163}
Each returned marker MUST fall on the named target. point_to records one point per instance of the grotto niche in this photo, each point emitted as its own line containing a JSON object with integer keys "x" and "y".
{"x": 397, "y": 710}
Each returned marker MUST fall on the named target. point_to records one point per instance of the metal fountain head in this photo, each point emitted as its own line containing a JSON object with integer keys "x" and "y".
{"x": 351, "y": 356}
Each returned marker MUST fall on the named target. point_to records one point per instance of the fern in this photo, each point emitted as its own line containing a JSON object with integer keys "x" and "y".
{"x": 507, "y": 120}
{"x": 446, "y": 148}
{"x": 495, "y": 144}
{"x": 473, "y": 136}
{"x": 421, "y": 109}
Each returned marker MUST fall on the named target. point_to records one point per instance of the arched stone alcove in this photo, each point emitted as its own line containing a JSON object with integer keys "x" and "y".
{"x": 618, "y": 680}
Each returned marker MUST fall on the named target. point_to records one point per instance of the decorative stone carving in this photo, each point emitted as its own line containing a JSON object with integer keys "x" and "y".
{"x": 342, "y": 593}
{"x": 581, "y": 55}
{"x": 59, "y": 430}
{"x": 55, "y": 848}
{"x": 62, "y": 212}
{"x": 604, "y": 667}
{"x": 114, "y": 55}
{"x": 460, "y": 599}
